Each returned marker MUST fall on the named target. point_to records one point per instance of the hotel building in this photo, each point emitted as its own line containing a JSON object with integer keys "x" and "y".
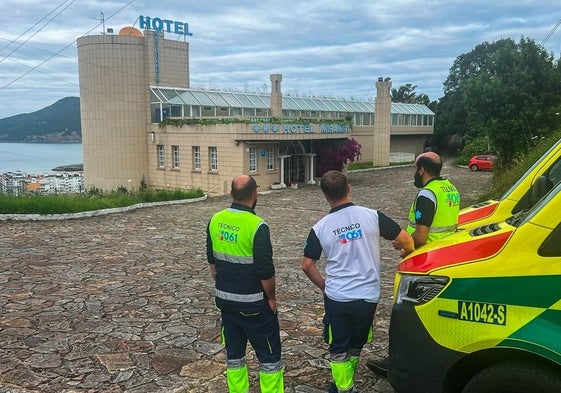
{"x": 143, "y": 124}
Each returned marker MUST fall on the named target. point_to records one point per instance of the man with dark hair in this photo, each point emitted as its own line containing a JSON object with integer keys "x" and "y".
{"x": 240, "y": 256}
{"x": 349, "y": 237}
{"x": 433, "y": 215}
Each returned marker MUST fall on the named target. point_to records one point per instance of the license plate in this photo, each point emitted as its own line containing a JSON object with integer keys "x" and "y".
{"x": 494, "y": 314}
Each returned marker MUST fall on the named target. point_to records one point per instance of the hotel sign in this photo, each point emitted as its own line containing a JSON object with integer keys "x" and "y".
{"x": 265, "y": 128}
{"x": 169, "y": 26}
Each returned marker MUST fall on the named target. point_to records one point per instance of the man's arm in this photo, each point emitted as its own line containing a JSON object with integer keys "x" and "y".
{"x": 420, "y": 235}
{"x": 210, "y": 253}
{"x": 405, "y": 242}
{"x": 425, "y": 210}
{"x": 309, "y": 267}
{"x": 312, "y": 252}
{"x": 263, "y": 262}
{"x": 269, "y": 288}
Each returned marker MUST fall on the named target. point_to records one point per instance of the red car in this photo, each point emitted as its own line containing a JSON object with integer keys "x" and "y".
{"x": 483, "y": 162}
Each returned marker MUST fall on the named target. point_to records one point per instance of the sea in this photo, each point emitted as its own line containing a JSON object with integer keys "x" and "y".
{"x": 38, "y": 158}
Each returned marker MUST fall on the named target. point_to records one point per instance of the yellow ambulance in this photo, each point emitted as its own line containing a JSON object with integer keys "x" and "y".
{"x": 532, "y": 185}
{"x": 480, "y": 310}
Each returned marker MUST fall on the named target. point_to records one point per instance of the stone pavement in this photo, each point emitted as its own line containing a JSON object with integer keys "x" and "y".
{"x": 123, "y": 302}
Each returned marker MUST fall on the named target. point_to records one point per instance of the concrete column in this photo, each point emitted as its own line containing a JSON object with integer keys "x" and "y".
{"x": 382, "y": 122}
{"x": 282, "y": 183}
{"x": 312, "y": 177}
{"x": 276, "y": 95}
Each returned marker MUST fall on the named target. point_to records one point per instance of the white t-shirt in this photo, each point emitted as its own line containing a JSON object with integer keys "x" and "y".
{"x": 349, "y": 237}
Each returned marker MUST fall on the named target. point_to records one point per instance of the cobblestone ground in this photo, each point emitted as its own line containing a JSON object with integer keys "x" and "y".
{"x": 122, "y": 302}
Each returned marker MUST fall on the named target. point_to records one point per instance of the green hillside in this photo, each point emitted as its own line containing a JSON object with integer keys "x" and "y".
{"x": 59, "y": 122}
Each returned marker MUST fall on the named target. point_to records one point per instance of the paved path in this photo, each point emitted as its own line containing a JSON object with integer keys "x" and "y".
{"x": 122, "y": 302}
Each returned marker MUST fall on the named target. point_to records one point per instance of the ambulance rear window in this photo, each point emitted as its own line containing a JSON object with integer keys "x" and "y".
{"x": 551, "y": 247}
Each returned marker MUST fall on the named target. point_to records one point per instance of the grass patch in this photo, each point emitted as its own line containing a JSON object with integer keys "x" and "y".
{"x": 359, "y": 165}
{"x": 76, "y": 203}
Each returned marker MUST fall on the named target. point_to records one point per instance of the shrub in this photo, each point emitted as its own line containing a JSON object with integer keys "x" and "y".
{"x": 334, "y": 155}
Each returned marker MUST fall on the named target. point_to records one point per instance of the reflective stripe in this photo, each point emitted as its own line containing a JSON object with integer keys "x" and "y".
{"x": 233, "y": 258}
{"x": 270, "y": 367}
{"x": 238, "y": 297}
{"x": 451, "y": 228}
{"x": 236, "y": 363}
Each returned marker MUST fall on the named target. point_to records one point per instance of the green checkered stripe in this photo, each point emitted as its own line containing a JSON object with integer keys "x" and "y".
{"x": 542, "y": 335}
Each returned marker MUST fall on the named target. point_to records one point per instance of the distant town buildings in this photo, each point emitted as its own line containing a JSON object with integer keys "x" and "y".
{"x": 19, "y": 183}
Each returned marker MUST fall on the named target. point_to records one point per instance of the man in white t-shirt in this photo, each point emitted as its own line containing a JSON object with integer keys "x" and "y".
{"x": 349, "y": 238}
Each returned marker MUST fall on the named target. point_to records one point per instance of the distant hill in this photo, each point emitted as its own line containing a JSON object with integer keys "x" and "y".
{"x": 59, "y": 122}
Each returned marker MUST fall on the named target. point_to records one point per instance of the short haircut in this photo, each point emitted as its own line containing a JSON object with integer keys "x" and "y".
{"x": 243, "y": 191}
{"x": 432, "y": 166}
{"x": 334, "y": 185}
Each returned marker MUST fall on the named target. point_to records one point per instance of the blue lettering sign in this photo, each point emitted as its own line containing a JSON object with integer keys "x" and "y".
{"x": 284, "y": 128}
{"x": 169, "y": 26}
{"x": 334, "y": 129}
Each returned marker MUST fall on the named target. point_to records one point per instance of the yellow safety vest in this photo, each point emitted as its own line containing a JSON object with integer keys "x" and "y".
{"x": 445, "y": 219}
{"x": 232, "y": 232}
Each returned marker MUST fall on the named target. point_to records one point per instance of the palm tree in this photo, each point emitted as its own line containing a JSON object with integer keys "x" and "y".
{"x": 406, "y": 95}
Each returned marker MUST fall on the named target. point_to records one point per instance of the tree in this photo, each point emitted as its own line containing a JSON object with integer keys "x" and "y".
{"x": 406, "y": 95}
{"x": 333, "y": 155}
{"x": 505, "y": 91}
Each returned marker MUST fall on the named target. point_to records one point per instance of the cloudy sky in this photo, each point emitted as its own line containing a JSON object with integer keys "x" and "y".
{"x": 335, "y": 48}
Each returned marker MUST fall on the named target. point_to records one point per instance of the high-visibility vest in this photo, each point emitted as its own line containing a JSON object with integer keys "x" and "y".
{"x": 445, "y": 219}
{"x": 232, "y": 232}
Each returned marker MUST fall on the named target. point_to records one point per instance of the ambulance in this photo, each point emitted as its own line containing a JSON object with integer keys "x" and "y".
{"x": 532, "y": 185}
{"x": 480, "y": 311}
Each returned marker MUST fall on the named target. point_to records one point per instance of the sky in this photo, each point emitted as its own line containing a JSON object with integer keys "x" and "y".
{"x": 331, "y": 48}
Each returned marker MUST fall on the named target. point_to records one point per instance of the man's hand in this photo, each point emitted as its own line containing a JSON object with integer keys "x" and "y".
{"x": 273, "y": 304}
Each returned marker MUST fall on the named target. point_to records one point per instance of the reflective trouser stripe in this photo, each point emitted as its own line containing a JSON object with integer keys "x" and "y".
{"x": 238, "y": 297}
{"x": 238, "y": 379}
{"x": 271, "y": 382}
{"x": 343, "y": 375}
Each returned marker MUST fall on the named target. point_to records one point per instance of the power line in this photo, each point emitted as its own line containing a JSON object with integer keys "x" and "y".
{"x": 64, "y": 48}
{"x": 37, "y": 32}
{"x": 551, "y": 33}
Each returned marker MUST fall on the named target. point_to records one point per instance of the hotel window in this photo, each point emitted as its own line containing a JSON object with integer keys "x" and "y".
{"x": 270, "y": 159}
{"x": 175, "y": 155}
{"x": 196, "y": 158}
{"x": 253, "y": 159}
{"x": 161, "y": 156}
{"x": 213, "y": 158}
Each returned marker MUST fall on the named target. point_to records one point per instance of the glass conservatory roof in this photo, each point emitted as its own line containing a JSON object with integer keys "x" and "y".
{"x": 194, "y": 97}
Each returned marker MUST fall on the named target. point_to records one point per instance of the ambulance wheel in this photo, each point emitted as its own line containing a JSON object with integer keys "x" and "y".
{"x": 474, "y": 168}
{"x": 514, "y": 377}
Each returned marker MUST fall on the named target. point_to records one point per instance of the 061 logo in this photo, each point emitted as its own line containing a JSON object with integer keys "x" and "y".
{"x": 350, "y": 236}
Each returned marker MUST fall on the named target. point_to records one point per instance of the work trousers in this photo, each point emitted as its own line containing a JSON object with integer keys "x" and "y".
{"x": 347, "y": 327}
{"x": 259, "y": 325}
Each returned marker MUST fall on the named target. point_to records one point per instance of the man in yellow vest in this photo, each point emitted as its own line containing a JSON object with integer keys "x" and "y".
{"x": 433, "y": 215}
{"x": 240, "y": 256}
